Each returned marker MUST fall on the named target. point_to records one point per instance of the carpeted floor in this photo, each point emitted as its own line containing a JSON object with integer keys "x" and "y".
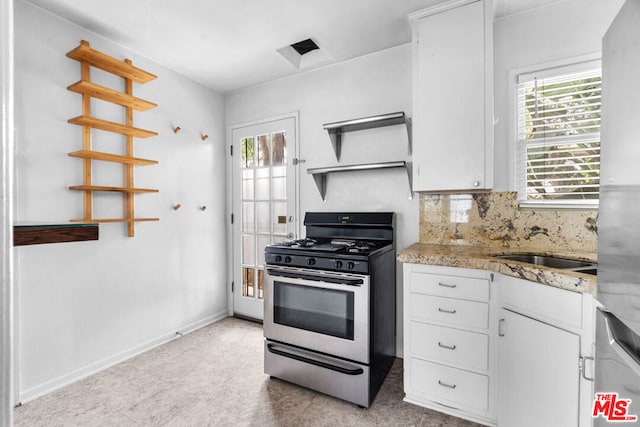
{"x": 214, "y": 377}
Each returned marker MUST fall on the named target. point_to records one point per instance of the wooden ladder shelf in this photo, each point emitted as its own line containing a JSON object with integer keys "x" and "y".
{"x": 88, "y": 58}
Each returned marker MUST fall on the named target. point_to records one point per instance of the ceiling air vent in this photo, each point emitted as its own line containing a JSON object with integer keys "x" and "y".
{"x": 304, "y": 46}
{"x": 304, "y": 54}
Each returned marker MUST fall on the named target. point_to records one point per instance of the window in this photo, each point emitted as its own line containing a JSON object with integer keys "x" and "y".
{"x": 559, "y": 136}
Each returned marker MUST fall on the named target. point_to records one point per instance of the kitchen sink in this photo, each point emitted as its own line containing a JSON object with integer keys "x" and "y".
{"x": 586, "y": 267}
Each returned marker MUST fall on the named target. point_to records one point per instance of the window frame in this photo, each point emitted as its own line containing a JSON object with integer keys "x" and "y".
{"x": 518, "y": 163}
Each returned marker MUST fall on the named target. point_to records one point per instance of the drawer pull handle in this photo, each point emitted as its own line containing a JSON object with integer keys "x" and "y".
{"x": 446, "y": 285}
{"x": 445, "y": 310}
{"x": 451, "y": 386}
{"x": 448, "y": 347}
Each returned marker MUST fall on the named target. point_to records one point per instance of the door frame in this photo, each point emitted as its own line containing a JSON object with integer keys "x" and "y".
{"x": 231, "y": 245}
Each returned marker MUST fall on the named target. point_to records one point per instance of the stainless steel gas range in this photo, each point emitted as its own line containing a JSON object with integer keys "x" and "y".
{"x": 329, "y": 305}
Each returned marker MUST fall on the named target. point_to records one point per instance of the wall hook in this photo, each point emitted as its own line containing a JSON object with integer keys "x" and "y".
{"x": 177, "y": 206}
{"x": 205, "y": 137}
{"x": 176, "y": 129}
{"x": 203, "y": 208}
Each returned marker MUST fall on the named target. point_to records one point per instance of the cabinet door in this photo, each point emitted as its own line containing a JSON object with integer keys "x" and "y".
{"x": 538, "y": 374}
{"x": 452, "y": 85}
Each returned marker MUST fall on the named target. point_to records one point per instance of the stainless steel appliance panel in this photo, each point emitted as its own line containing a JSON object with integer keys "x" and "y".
{"x": 618, "y": 324}
{"x": 618, "y": 362}
{"x": 345, "y": 380}
{"x": 619, "y": 252}
{"x": 318, "y": 310}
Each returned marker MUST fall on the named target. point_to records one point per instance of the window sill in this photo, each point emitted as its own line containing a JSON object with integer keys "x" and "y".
{"x": 575, "y": 205}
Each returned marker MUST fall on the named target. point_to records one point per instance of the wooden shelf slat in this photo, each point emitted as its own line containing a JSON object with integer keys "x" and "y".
{"x": 110, "y": 95}
{"x": 116, "y": 189}
{"x": 111, "y": 126}
{"x": 108, "y": 157}
{"x": 58, "y": 233}
{"x": 116, "y": 220}
{"x": 109, "y": 64}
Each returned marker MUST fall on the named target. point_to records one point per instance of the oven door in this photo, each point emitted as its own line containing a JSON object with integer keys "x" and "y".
{"x": 318, "y": 310}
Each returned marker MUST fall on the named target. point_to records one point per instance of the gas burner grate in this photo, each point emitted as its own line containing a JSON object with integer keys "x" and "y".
{"x": 299, "y": 243}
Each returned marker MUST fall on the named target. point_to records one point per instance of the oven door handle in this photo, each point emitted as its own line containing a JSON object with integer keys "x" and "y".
{"x": 280, "y": 352}
{"x": 317, "y": 278}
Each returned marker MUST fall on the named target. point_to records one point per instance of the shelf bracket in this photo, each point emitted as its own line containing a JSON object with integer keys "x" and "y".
{"x": 408, "y": 166}
{"x": 409, "y": 124}
{"x": 321, "y": 183}
{"x": 335, "y": 135}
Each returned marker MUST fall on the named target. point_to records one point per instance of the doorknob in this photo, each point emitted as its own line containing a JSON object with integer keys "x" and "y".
{"x": 290, "y": 236}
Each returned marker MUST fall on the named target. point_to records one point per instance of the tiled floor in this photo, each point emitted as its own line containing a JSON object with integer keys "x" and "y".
{"x": 214, "y": 377}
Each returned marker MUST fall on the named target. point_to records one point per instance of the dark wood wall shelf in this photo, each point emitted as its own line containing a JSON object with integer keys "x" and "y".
{"x": 37, "y": 234}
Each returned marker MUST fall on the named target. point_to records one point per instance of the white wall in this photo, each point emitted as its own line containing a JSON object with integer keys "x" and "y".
{"x": 567, "y": 29}
{"x": 373, "y": 84}
{"x": 85, "y": 305}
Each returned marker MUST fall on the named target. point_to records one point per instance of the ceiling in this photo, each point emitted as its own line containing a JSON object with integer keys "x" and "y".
{"x": 232, "y": 44}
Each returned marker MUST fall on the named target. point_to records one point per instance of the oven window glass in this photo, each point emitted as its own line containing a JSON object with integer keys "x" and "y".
{"x": 325, "y": 311}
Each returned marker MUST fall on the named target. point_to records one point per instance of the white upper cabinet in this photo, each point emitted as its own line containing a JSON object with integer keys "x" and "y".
{"x": 453, "y": 96}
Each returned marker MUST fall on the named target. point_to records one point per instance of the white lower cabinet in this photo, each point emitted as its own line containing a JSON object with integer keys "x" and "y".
{"x": 538, "y": 373}
{"x": 447, "y": 344}
{"x": 546, "y": 341}
{"x": 504, "y": 352}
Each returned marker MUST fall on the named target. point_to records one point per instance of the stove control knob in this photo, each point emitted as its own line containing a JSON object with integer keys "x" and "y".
{"x": 278, "y": 258}
{"x": 338, "y": 264}
{"x": 287, "y": 259}
{"x": 311, "y": 261}
{"x": 350, "y": 265}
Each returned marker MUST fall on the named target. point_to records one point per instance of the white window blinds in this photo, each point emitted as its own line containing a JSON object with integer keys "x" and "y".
{"x": 559, "y": 135}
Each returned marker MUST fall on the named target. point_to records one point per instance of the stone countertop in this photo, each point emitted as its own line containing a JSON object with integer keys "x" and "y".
{"x": 483, "y": 258}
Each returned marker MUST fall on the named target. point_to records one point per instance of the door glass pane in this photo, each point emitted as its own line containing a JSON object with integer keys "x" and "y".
{"x": 247, "y": 152}
{"x": 279, "y": 187}
{"x": 247, "y": 186}
{"x": 326, "y": 311}
{"x": 248, "y": 249}
{"x": 264, "y": 151}
{"x": 248, "y": 222}
{"x": 248, "y": 288}
{"x": 261, "y": 284}
{"x": 262, "y": 217}
{"x": 262, "y": 242}
{"x": 279, "y": 149}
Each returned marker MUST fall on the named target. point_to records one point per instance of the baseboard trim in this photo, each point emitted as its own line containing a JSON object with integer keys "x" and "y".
{"x": 85, "y": 371}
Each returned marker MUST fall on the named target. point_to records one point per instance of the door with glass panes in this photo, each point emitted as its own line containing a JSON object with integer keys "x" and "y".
{"x": 264, "y": 204}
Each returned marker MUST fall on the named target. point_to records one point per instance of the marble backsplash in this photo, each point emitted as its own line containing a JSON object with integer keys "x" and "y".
{"x": 493, "y": 219}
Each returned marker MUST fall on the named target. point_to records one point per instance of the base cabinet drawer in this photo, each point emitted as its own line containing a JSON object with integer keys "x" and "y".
{"x": 450, "y": 286}
{"x": 450, "y": 311}
{"x": 450, "y": 346}
{"x": 452, "y": 387}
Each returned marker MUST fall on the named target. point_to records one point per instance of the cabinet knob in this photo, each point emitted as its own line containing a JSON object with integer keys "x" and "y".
{"x": 476, "y": 183}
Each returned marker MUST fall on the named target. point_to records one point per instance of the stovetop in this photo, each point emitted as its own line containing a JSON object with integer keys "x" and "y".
{"x": 350, "y": 246}
{"x": 338, "y": 241}
{"x": 335, "y": 254}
